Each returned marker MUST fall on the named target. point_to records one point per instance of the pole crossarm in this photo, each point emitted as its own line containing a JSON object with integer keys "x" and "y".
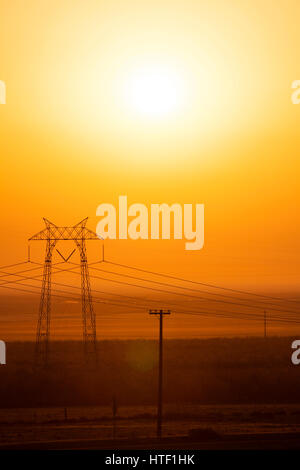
{"x": 75, "y": 232}
{"x": 160, "y": 312}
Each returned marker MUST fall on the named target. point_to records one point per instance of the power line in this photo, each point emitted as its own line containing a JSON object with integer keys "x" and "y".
{"x": 176, "y": 293}
{"x": 232, "y": 315}
{"x": 213, "y": 286}
{"x": 152, "y": 300}
{"x": 15, "y": 264}
{"x": 235, "y": 315}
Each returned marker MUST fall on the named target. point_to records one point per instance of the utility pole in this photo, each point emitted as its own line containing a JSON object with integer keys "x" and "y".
{"x": 161, "y": 313}
{"x": 265, "y": 324}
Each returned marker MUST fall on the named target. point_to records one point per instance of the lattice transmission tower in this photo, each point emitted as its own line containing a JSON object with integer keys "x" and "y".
{"x": 52, "y": 234}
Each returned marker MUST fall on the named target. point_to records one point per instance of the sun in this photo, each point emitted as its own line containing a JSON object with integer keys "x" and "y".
{"x": 154, "y": 91}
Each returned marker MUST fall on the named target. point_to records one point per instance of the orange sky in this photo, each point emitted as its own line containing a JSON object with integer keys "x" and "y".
{"x": 70, "y": 139}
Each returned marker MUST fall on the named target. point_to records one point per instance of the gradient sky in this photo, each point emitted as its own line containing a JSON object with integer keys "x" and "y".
{"x": 71, "y": 139}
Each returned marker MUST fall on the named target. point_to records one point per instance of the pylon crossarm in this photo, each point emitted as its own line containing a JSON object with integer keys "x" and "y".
{"x": 66, "y": 233}
{"x": 82, "y": 223}
{"x": 90, "y": 235}
{"x": 42, "y": 235}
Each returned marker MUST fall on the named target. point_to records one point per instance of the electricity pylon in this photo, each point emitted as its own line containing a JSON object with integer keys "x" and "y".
{"x": 52, "y": 234}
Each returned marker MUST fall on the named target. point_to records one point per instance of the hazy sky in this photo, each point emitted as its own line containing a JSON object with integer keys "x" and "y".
{"x": 83, "y": 124}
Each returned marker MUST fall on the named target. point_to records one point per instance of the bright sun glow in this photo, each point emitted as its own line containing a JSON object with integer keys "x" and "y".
{"x": 154, "y": 91}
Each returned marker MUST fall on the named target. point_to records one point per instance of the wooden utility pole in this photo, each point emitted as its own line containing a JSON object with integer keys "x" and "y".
{"x": 161, "y": 313}
{"x": 265, "y": 324}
